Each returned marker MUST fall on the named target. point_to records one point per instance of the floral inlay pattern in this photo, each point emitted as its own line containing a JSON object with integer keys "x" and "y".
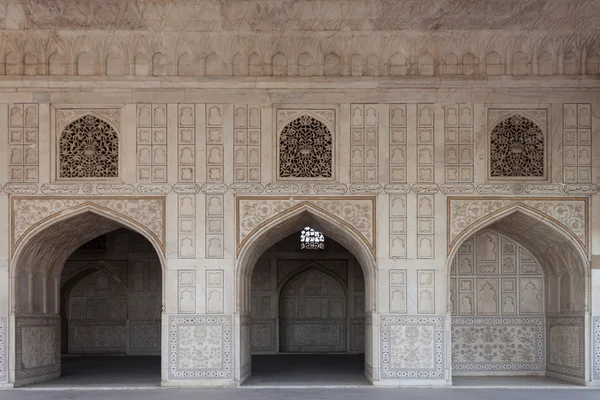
{"x": 305, "y": 149}
{"x": 357, "y": 212}
{"x": 572, "y": 213}
{"x": 147, "y": 211}
{"x": 89, "y": 148}
{"x": 497, "y": 344}
{"x": 517, "y": 149}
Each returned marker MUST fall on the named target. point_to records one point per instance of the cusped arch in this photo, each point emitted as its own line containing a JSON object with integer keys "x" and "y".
{"x": 88, "y": 148}
{"x": 290, "y": 221}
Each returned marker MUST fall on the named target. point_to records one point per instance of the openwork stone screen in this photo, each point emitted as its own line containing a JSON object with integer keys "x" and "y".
{"x": 89, "y": 148}
{"x": 517, "y": 149}
{"x": 305, "y": 149}
{"x": 311, "y": 239}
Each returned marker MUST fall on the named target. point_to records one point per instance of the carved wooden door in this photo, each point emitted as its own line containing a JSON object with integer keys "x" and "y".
{"x": 313, "y": 314}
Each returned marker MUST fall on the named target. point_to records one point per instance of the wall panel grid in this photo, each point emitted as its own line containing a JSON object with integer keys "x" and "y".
{"x": 214, "y": 226}
{"x": 458, "y": 142}
{"x": 494, "y": 276}
{"x": 247, "y": 143}
{"x": 577, "y": 143}
{"x": 398, "y": 291}
{"x": 397, "y": 150}
{"x": 23, "y": 143}
{"x": 151, "y": 140}
{"x": 214, "y": 291}
{"x": 397, "y": 244}
{"x": 215, "y": 142}
{"x": 186, "y": 226}
{"x": 186, "y": 280}
{"x": 425, "y": 226}
{"x": 425, "y": 143}
{"x": 364, "y": 143}
{"x": 186, "y": 142}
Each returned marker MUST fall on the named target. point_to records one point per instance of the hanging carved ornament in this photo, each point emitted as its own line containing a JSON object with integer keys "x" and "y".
{"x": 311, "y": 239}
{"x": 517, "y": 149}
{"x": 305, "y": 149}
{"x": 89, "y": 148}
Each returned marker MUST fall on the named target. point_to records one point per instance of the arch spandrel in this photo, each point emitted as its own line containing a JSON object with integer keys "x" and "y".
{"x": 33, "y": 214}
{"x": 355, "y": 213}
{"x": 467, "y": 215}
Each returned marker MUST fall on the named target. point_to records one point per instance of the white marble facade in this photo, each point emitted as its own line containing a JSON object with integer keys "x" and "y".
{"x": 449, "y": 152}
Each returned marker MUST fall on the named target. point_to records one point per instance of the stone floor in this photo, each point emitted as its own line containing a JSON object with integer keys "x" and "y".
{"x": 288, "y": 371}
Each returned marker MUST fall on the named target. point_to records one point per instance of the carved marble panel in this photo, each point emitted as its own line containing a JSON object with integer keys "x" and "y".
{"x": 200, "y": 347}
{"x": 263, "y": 336}
{"x": 215, "y": 222}
{"x": 398, "y": 291}
{"x": 147, "y": 211}
{"x": 23, "y": 143}
{"x": 425, "y": 143}
{"x": 425, "y": 226}
{"x": 186, "y": 230}
{"x": 187, "y": 291}
{"x": 145, "y": 337}
{"x": 596, "y": 347}
{"x": 151, "y": 139}
{"x": 398, "y": 228}
{"x": 397, "y": 143}
{"x": 97, "y": 336}
{"x": 247, "y": 143}
{"x": 215, "y": 295}
{"x": 412, "y": 347}
{"x": 37, "y": 347}
{"x": 364, "y": 143}
{"x": 459, "y": 142}
{"x": 215, "y": 141}
{"x": 3, "y": 349}
{"x": 565, "y": 346}
{"x": 571, "y": 213}
{"x": 186, "y": 141}
{"x": 577, "y": 142}
{"x": 426, "y": 291}
{"x": 498, "y": 344}
{"x": 358, "y": 212}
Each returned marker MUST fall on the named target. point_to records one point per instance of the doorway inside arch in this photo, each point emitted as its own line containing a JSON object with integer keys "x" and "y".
{"x": 100, "y": 323}
{"x": 517, "y": 300}
{"x": 307, "y": 322}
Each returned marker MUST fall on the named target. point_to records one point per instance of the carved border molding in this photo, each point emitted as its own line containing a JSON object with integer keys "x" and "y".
{"x": 3, "y": 349}
{"x": 356, "y": 213}
{"x": 27, "y": 212}
{"x": 569, "y": 213}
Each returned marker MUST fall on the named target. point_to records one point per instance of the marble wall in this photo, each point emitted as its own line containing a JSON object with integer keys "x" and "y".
{"x": 112, "y": 288}
{"x": 305, "y": 304}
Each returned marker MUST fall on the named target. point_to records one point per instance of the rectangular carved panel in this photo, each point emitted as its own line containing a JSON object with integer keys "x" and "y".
{"x": 152, "y": 142}
{"x": 397, "y": 156}
{"x": 247, "y": 143}
{"x": 458, "y": 142}
{"x": 23, "y": 143}
{"x": 186, "y": 141}
{"x": 577, "y": 143}
{"x": 364, "y": 143}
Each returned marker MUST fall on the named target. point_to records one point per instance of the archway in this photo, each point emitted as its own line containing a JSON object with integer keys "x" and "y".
{"x": 518, "y": 296}
{"x": 284, "y": 230}
{"x": 91, "y": 295}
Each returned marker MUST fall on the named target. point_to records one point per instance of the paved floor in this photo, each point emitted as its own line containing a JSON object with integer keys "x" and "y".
{"x": 367, "y": 393}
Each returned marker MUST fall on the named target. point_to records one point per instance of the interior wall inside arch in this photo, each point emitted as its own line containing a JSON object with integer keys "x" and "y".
{"x": 305, "y": 300}
{"x": 517, "y": 296}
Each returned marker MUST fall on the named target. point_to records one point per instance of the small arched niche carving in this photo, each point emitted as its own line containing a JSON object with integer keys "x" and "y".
{"x": 517, "y": 149}
{"x": 305, "y": 149}
{"x": 89, "y": 148}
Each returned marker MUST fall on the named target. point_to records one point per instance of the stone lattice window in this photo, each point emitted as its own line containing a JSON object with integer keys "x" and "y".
{"x": 89, "y": 148}
{"x": 305, "y": 149}
{"x": 517, "y": 149}
{"x": 311, "y": 239}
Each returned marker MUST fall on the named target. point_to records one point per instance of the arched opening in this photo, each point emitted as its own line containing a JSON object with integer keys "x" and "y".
{"x": 517, "y": 299}
{"x": 87, "y": 288}
{"x": 305, "y": 306}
